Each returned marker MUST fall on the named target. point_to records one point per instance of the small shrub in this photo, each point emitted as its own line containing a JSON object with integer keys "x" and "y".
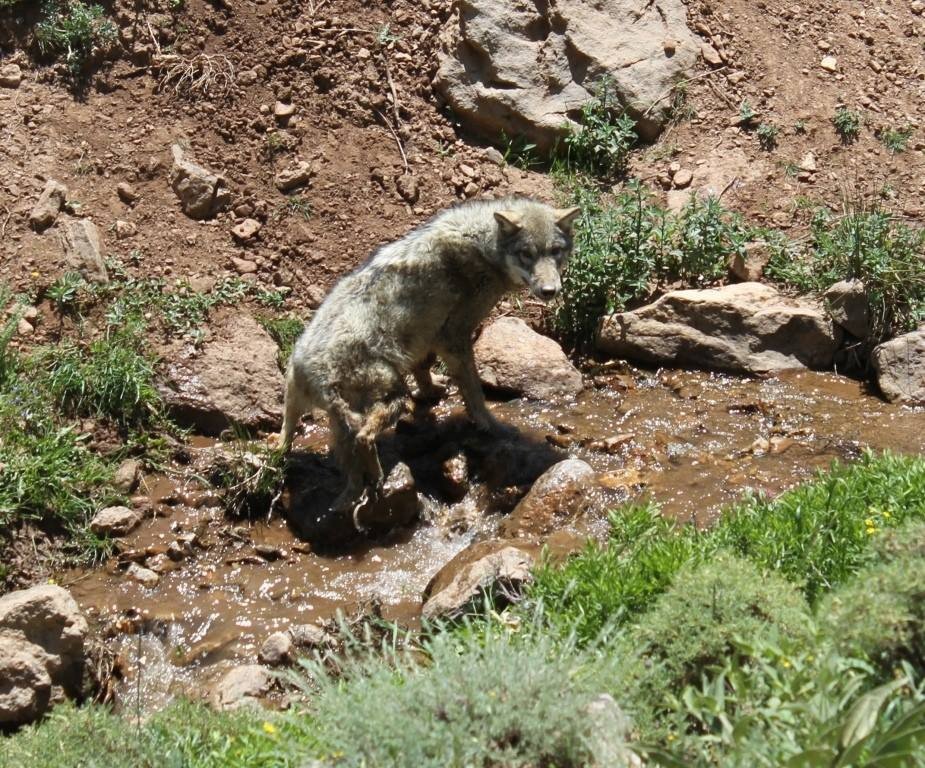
{"x": 896, "y": 139}
{"x": 285, "y": 331}
{"x": 747, "y": 115}
{"x": 600, "y": 146}
{"x": 873, "y": 247}
{"x": 74, "y": 29}
{"x": 519, "y": 152}
{"x": 700, "y": 621}
{"x": 880, "y": 614}
{"x": 847, "y": 125}
{"x": 185, "y": 734}
{"x": 767, "y": 136}
{"x": 492, "y": 702}
{"x": 704, "y": 237}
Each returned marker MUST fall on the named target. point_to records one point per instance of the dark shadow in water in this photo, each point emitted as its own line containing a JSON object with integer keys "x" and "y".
{"x": 504, "y": 465}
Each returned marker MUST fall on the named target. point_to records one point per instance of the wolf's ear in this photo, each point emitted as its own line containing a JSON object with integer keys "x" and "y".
{"x": 565, "y": 217}
{"x": 510, "y": 222}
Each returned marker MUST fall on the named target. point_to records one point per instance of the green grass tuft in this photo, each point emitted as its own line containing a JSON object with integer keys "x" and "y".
{"x": 847, "y": 124}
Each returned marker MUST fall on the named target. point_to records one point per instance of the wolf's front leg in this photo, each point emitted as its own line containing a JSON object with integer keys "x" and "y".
{"x": 461, "y": 365}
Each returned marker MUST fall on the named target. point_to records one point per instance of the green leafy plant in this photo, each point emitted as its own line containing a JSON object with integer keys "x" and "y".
{"x": 285, "y": 331}
{"x": 601, "y": 144}
{"x": 519, "y": 151}
{"x": 747, "y": 115}
{"x": 847, "y": 124}
{"x": 767, "y": 134}
{"x": 75, "y": 30}
{"x": 870, "y": 245}
{"x": 896, "y": 139}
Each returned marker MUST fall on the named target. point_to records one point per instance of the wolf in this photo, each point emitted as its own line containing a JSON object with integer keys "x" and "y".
{"x": 417, "y": 298}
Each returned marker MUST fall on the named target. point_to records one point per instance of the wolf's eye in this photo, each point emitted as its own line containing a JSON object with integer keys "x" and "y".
{"x": 525, "y": 255}
{"x": 556, "y": 252}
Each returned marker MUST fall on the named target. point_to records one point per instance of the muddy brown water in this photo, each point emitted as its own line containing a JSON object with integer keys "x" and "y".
{"x": 692, "y": 441}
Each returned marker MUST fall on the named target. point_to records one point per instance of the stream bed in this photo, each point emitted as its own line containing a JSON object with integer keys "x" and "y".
{"x": 692, "y": 441}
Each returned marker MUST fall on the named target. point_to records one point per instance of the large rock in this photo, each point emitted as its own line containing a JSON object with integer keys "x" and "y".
{"x": 496, "y": 568}
{"x": 512, "y": 357}
{"x": 115, "y": 521}
{"x": 242, "y": 686}
{"x": 526, "y": 67}
{"x": 82, "y": 251}
{"x": 900, "y": 367}
{"x": 202, "y": 193}
{"x": 747, "y": 327}
{"x": 560, "y": 494}
{"x": 849, "y": 307}
{"x": 233, "y": 379}
{"x": 42, "y": 634}
{"x": 25, "y": 685}
{"x": 48, "y": 206}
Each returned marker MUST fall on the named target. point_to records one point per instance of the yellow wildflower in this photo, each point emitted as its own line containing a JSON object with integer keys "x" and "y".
{"x": 270, "y": 728}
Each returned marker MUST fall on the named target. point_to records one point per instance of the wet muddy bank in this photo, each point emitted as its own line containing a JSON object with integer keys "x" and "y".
{"x": 692, "y": 441}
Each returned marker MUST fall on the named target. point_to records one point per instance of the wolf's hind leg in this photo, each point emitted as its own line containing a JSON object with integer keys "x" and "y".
{"x": 426, "y": 388}
{"x": 296, "y": 404}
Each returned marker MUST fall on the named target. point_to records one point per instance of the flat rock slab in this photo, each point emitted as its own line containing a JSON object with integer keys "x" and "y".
{"x": 233, "y": 380}
{"x": 526, "y": 68}
{"x": 900, "y": 367}
{"x": 745, "y": 328}
{"x": 83, "y": 253}
{"x": 115, "y": 521}
{"x": 241, "y": 686}
{"x": 514, "y": 358}
{"x": 496, "y": 568}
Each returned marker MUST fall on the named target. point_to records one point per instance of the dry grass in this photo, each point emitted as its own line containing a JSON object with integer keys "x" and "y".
{"x": 209, "y": 76}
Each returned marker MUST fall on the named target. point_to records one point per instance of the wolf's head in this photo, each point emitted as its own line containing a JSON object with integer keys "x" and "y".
{"x": 535, "y": 242}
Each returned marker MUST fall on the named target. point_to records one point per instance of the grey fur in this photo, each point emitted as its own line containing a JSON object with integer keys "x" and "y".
{"x": 421, "y": 296}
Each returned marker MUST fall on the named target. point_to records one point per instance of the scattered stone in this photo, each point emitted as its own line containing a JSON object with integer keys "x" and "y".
{"x": 493, "y": 156}
{"x": 297, "y": 176}
{"x": 808, "y": 163}
{"x": 233, "y": 379}
{"x": 455, "y": 474}
{"x": 900, "y": 367}
{"x": 241, "y": 686}
{"x": 49, "y": 205}
{"x": 126, "y": 193}
{"x": 521, "y": 68}
{"x": 308, "y": 636}
{"x": 683, "y": 178}
{"x": 127, "y": 475}
{"x": 202, "y": 193}
{"x": 747, "y": 327}
{"x": 512, "y": 357}
{"x": 144, "y": 576}
{"x": 398, "y": 504}
{"x": 711, "y": 55}
{"x": 268, "y": 552}
{"x": 246, "y": 230}
{"x": 749, "y": 267}
{"x": 125, "y": 229}
{"x": 276, "y": 649}
{"x": 829, "y": 64}
{"x": 42, "y": 636}
{"x": 849, "y": 307}
{"x": 283, "y": 112}
{"x": 10, "y": 76}
{"x": 82, "y": 252}
{"x": 407, "y": 187}
{"x": 243, "y": 266}
{"x": 314, "y": 295}
{"x": 115, "y": 521}
{"x": 24, "y": 327}
{"x": 495, "y": 568}
{"x": 559, "y": 495}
